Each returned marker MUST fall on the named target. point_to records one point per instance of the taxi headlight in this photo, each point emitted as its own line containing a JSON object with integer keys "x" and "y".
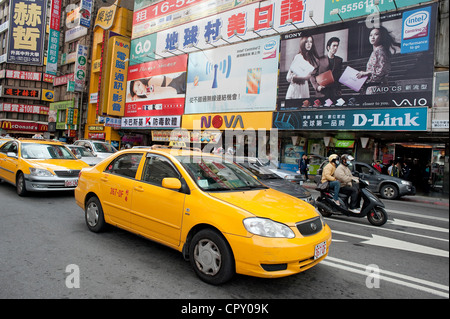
{"x": 40, "y": 172}
{"x": 267, "y": 228}
{"x": 321, "y": 217}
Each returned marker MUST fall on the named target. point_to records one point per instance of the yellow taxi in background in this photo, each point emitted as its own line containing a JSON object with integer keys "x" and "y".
{"x": 4, "y": 140}
{"x": 221, "y": 218}
{"x": 34, "y": 165}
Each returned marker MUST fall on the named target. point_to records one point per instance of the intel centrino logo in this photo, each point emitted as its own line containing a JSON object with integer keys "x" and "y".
{"x": 417, "y": 19}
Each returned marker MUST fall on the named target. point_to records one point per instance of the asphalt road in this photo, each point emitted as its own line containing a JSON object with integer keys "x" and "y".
{"x": 46, "y": 251}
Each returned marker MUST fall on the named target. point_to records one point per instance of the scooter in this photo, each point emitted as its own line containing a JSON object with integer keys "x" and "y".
{"x": 372, "y": 207}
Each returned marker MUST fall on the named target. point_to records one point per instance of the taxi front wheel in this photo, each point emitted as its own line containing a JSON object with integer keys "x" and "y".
{"x": 211, "y": 257}
{"x": 95, "y": 220}
{"x": 20, "y": 185}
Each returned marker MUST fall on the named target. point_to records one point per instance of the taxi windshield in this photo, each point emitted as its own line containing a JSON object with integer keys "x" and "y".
{"x": 45, "y": 151}
{"x": 217, "y": 174}
{"x": 104, "y": 148}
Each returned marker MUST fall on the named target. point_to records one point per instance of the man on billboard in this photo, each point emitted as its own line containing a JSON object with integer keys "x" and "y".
{"x": 325, "y": 78}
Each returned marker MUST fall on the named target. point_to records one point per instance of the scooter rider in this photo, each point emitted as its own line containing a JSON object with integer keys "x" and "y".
{"x": 345, "y": 177}
{"x": 328, "y": 175}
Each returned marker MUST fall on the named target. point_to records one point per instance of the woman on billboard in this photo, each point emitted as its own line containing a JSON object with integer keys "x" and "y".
{"x": 301, "y": 68}
{"x": 159, "y": 84}
{"x": 379, "y": 65}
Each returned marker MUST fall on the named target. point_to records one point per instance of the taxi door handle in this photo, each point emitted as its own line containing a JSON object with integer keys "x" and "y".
{"x": 104, "y": 178}
{"x": 139, "y": 189}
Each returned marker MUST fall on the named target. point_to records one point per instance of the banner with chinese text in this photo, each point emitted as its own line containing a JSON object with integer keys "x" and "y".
{"x": 27, "y": 31}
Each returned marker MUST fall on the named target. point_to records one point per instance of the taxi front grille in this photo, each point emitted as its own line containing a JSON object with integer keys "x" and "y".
{"x": 68, "y": 173}
{"x": 310, "y": 227}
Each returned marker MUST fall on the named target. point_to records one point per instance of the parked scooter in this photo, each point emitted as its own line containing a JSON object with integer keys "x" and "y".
{"x": 372, "y": 207}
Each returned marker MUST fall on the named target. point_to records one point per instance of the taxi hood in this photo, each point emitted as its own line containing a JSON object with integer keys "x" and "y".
{"x": 57, "y": 164}
{"x": 269, "y": 203}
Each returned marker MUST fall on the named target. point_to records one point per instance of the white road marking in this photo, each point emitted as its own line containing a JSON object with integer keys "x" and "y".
{"x": 400, "y": 279}
{"x": 382, "y": 241}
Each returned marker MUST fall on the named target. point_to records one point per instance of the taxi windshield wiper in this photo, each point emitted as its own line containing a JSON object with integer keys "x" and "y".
{"x": 249, "y": 187}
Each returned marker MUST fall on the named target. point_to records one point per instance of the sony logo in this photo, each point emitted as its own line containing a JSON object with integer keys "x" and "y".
{"x": 387, "y": 120}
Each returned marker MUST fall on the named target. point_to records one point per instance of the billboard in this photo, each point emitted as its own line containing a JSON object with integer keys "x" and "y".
{"x": 157, "y": 87}
{"x": 384, "y": 119}
{"x": 360, "y": 63}
{"x": 246, "y": 22}
{"x": 27, "y": 31}
{"x": 236, "y": 78}
{"x": 355, "y": 8}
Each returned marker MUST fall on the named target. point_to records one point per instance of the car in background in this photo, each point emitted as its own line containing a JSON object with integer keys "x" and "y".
{"x": 34, "y": 165}
{"x": 267, "y": 177}
{"x": 3, "y": 140}
{"x": 283, "y": 173}
{"x": 98, "y": 148}
{"x": 222, "y": 219}
{"x": 389, "y": 187}
{"x": 314, "y": 163}
{"x": 84, "y": 154}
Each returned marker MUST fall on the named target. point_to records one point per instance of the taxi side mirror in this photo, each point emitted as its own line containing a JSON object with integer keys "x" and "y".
{"x": 171, "y": 183}
{"x": 12, "y": 154}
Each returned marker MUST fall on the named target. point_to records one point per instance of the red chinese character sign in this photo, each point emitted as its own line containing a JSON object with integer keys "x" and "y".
{"x": 27, "y": 31}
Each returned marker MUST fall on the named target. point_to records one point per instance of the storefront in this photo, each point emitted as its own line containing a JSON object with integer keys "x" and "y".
{"x": 243, "y": 134}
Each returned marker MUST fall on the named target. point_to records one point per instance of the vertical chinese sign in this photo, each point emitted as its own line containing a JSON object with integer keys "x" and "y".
{"x": 27, "y": 31}
{"x": 53, "y": 39}
{"x": 117, "y": 81}
{"x": 80, "y": 67}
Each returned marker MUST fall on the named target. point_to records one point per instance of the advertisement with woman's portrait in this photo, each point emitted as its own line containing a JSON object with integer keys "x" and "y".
{"x": 386, "y": 61}
{"x": 157, "y": 88}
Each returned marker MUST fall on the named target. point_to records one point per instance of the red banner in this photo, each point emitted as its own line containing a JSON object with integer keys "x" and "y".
{"x": 24, "y": 126}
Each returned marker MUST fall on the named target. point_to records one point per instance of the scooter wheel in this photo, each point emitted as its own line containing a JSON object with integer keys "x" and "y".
{"x": 377, "y": 216}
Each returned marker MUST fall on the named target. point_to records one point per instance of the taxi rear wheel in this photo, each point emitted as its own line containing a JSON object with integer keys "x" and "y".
{"x": 95, "y": 219}
{"x": 20, "y": 185}
{"x": 211, "y": 257}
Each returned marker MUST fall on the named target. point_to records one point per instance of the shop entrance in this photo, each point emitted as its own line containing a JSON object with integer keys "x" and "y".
{"x": 417, "y": 157}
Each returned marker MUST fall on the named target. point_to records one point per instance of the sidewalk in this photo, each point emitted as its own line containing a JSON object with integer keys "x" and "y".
{"x": 434, "y": 198}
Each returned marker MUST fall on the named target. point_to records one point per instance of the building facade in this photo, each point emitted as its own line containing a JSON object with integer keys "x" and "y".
{"x": 367, "y": 78}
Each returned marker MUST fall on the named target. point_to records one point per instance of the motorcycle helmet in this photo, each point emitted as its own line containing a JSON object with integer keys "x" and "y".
{"x": 347, "y": 159}
{"x": 333, "y": 158}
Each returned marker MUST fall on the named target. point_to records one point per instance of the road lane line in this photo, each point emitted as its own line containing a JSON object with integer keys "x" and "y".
{"x": 385, "y": 229}
{"x": 334, "y": 262}
{"x": 393, "y": 211}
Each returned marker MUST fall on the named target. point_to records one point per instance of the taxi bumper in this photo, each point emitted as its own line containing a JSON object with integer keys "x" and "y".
{"x": 277, "y": 257}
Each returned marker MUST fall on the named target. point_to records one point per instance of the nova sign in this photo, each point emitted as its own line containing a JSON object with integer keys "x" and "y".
{"x": 231, "y": 121}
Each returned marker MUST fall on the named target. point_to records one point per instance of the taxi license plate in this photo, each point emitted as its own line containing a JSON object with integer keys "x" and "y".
{"x": 320, "y": 250}
{"x": 71, "y": 183}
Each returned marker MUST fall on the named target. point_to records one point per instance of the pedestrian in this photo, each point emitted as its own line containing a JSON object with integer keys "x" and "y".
{"x": 406, "y": 171}
{"x": 303, "y": 165}
{"x": 397, "y": 170}
{"x": 377, "y": 166}
{"x": 426, "y": 178}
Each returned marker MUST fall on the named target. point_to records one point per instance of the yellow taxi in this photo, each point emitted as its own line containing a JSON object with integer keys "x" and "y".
{"x": 220, "y": 217}
{"x": 4, "y": 140}
{"x": 34, "y": 165}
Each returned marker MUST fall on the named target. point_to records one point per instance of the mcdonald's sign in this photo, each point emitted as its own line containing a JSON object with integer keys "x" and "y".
{"x": 24, "y": 126}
